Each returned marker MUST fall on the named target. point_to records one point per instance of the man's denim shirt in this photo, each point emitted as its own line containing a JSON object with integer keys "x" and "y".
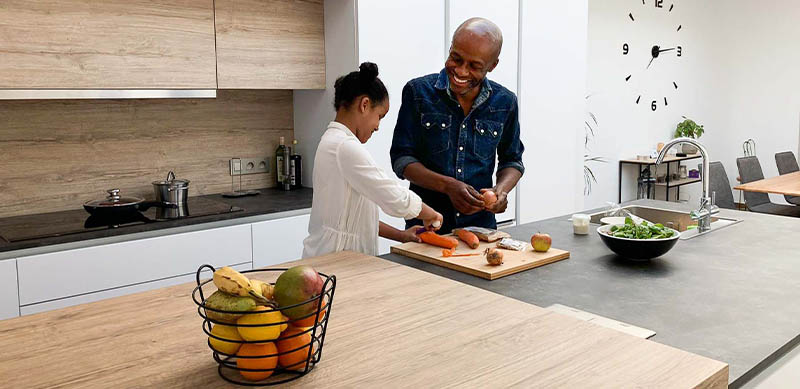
{"x": 432, "y": 129}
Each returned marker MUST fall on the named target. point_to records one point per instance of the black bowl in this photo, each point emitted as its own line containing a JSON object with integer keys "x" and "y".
{"x": 637, "y": 249}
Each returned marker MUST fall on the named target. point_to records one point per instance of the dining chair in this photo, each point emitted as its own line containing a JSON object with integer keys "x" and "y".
{"x": 750, "y": 170}
{"x": 787, "y": 163}
{"x": 720, "y": 186}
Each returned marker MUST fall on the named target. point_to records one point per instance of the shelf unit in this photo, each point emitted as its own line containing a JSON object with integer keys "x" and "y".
{"x": 668, "y": 183}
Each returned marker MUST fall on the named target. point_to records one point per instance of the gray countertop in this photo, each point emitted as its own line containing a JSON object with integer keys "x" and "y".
{"x": 732, "y": 295}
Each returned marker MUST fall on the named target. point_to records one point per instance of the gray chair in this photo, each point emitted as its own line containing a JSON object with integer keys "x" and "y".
{"x": 787, "y": 163}
{"x": 749, "y": 171}
{"x": 720, "y": 186}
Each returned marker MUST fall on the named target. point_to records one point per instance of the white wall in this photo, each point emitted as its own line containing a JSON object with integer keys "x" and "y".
{"x": 406, "y": 44}
{"x": 736, "y": 77}
{"x": 552, "y": 106}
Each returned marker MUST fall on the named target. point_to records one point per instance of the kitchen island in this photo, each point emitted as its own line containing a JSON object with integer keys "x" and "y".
{"x": 730, "y": 295}
{"x": 390, "y": 326}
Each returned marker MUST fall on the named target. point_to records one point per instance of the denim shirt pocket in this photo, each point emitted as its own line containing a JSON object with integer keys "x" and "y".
{"x": 436, "y": 130}
{"x": 487, "y": 135}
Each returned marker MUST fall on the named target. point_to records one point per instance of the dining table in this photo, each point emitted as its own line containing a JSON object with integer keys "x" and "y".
{"x": 786, "y": 184}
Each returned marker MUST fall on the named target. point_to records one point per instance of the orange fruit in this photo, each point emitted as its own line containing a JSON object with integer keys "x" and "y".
{"x": 295, "y": 360}
{"x": 309, "y": 321}
{"x": 253, "y": 350}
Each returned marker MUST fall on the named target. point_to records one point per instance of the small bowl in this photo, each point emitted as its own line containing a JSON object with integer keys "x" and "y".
{"x": 637, "y": 249}
{"x": 613, "y": 220}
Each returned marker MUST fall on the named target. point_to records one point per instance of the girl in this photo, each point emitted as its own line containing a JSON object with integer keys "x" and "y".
{"x": 349, "y": 187}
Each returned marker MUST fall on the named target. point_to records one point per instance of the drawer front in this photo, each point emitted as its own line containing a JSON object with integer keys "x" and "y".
{"x": 280, "y": 240}
{"x": 70, "y": 273}
{"x": 9, "y": 300}
{"x": 122, "y": 291}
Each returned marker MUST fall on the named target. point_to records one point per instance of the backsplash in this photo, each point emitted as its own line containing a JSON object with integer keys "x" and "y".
{"x": 57, "y": 154}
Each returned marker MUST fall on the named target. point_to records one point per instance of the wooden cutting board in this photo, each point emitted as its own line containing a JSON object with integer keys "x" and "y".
{"x": 513, "y": 261}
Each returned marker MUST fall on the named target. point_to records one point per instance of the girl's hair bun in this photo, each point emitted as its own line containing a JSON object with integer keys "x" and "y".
{"x": 368, "y": 71}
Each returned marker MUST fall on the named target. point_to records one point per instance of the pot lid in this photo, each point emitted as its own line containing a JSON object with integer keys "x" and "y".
{"x": 114, "y": 200}
{"x": 172, "y": 181}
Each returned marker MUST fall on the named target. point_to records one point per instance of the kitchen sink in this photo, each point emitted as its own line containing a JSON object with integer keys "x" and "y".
{"x": 673, "y": 219}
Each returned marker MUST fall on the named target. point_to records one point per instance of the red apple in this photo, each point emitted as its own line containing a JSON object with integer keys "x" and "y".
{"x": 541, "y": 242}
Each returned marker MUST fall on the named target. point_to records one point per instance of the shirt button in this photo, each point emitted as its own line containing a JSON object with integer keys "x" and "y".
{"x": 481, "y": 131}
{"x": 458, "y": 214}
{"x": 442, "y": 125}
{"x": 427, "y": 124}
{"x": 459, "y": 170}
{"x": 460, "y": 148}
{"x": 463, "y": 126}
{"x": 495, "y": 133}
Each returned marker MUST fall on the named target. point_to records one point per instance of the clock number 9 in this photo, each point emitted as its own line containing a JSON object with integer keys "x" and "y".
{"x": 653, "y": 105}
{"x": 680, "y": 49}
{"x": 625, "y": 49}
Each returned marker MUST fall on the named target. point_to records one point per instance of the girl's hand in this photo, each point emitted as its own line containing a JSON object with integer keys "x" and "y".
{"x": 434, "y": 222}
{"x": 410, "y": 235}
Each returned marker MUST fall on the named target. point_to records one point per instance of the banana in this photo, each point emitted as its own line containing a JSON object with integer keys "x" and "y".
{"x": 264, "y": 288}
{"x": 232, "y": 282}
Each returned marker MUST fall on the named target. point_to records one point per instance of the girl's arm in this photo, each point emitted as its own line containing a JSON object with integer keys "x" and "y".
{"x": 389, "y": 232}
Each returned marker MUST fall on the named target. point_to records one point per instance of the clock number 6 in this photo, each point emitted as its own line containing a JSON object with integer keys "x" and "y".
{"x": 653, "y": 105}
{"x": 680, "y": 49}
{"x": 625, "y": 49}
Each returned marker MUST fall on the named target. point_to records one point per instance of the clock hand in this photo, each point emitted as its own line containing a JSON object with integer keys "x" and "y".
{"x": 651, "y": 62}
{"x": 663, "y": 50}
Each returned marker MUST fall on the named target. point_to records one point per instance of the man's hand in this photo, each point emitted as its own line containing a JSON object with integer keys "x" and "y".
{"x": 409, "y": 235}
{"x": 464, "y": 197}
{"x": 502, "y": 201}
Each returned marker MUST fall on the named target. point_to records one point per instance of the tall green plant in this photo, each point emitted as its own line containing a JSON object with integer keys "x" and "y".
{"x": 688, "y": 128}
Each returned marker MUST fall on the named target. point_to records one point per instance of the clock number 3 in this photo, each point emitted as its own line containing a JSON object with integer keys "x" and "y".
{"x": 625, "y": 49}
{"x": 653, "y": 105}
{"x": 680, "y": 50}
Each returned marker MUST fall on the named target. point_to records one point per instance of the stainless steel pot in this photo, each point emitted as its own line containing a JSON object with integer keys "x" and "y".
{"x": 171, "y": 191}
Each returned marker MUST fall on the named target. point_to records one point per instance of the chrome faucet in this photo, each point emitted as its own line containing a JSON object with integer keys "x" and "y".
{"x": 707, "y": 207}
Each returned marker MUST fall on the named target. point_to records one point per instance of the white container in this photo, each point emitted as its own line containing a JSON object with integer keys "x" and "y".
{"x": 580, "y": 224}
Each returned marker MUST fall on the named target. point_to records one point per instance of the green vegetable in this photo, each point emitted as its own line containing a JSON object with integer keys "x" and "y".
{"x": 645, "y": 230}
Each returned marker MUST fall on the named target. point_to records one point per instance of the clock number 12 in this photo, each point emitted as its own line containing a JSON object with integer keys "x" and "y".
{"x": 659, "y": 3}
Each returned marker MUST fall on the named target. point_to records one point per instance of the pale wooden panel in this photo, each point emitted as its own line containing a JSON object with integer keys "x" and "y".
{"x": 390, "y": 326}
{"x": 107, "y": 44}
{"x": 270, "y": 44}
{"x": 58, "y": 154}
{"x": 513, "y": 261}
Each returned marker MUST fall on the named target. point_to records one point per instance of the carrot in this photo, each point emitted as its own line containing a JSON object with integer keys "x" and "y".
{"x": 469, "y": 238}
{"x": 432, "y": 238}
{"x": 451, "y": 253}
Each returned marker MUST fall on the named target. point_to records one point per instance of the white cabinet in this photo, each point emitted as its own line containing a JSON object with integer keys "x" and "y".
{"x": 105, "y": 294}
{"x": 9, "y": 300}
{"x": 76, "y": 272}
{"x": 280, "y": 240}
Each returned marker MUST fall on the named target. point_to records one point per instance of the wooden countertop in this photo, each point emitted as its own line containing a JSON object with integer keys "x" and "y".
{"x": 787, "y": 184}
{"x": 390, "y": 326}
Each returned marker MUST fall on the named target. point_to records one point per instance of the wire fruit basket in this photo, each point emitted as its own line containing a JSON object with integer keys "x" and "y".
{"x": 262, "y": 358}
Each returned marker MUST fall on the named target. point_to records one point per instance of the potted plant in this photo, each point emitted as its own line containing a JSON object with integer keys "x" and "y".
{"x": 688, "y": 128}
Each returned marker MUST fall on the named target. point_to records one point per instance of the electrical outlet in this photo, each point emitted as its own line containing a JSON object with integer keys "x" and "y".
{"x": 240, "y": 166}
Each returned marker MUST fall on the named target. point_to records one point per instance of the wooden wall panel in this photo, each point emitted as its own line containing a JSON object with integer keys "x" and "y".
{"x": 96, "y": 44}
{"x": 270, "y": 44}
{"x": 57, "y": 154}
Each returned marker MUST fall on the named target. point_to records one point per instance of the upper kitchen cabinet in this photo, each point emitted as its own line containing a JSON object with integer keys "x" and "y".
{"x": 107, "y": 44}
{"x": 270, "y": 44}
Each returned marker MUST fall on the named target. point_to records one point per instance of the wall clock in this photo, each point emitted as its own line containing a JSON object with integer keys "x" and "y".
{"x": 645, "y": 58}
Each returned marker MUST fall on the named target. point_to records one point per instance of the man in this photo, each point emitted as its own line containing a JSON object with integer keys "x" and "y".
{"x": 451, "y": 127}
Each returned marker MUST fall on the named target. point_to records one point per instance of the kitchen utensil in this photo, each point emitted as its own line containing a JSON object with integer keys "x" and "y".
{"x": 637, "y": 249}
{"x": 115, "y": 204}
{"x": 171, "y": 191}
{"x": 513, "y": 261}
